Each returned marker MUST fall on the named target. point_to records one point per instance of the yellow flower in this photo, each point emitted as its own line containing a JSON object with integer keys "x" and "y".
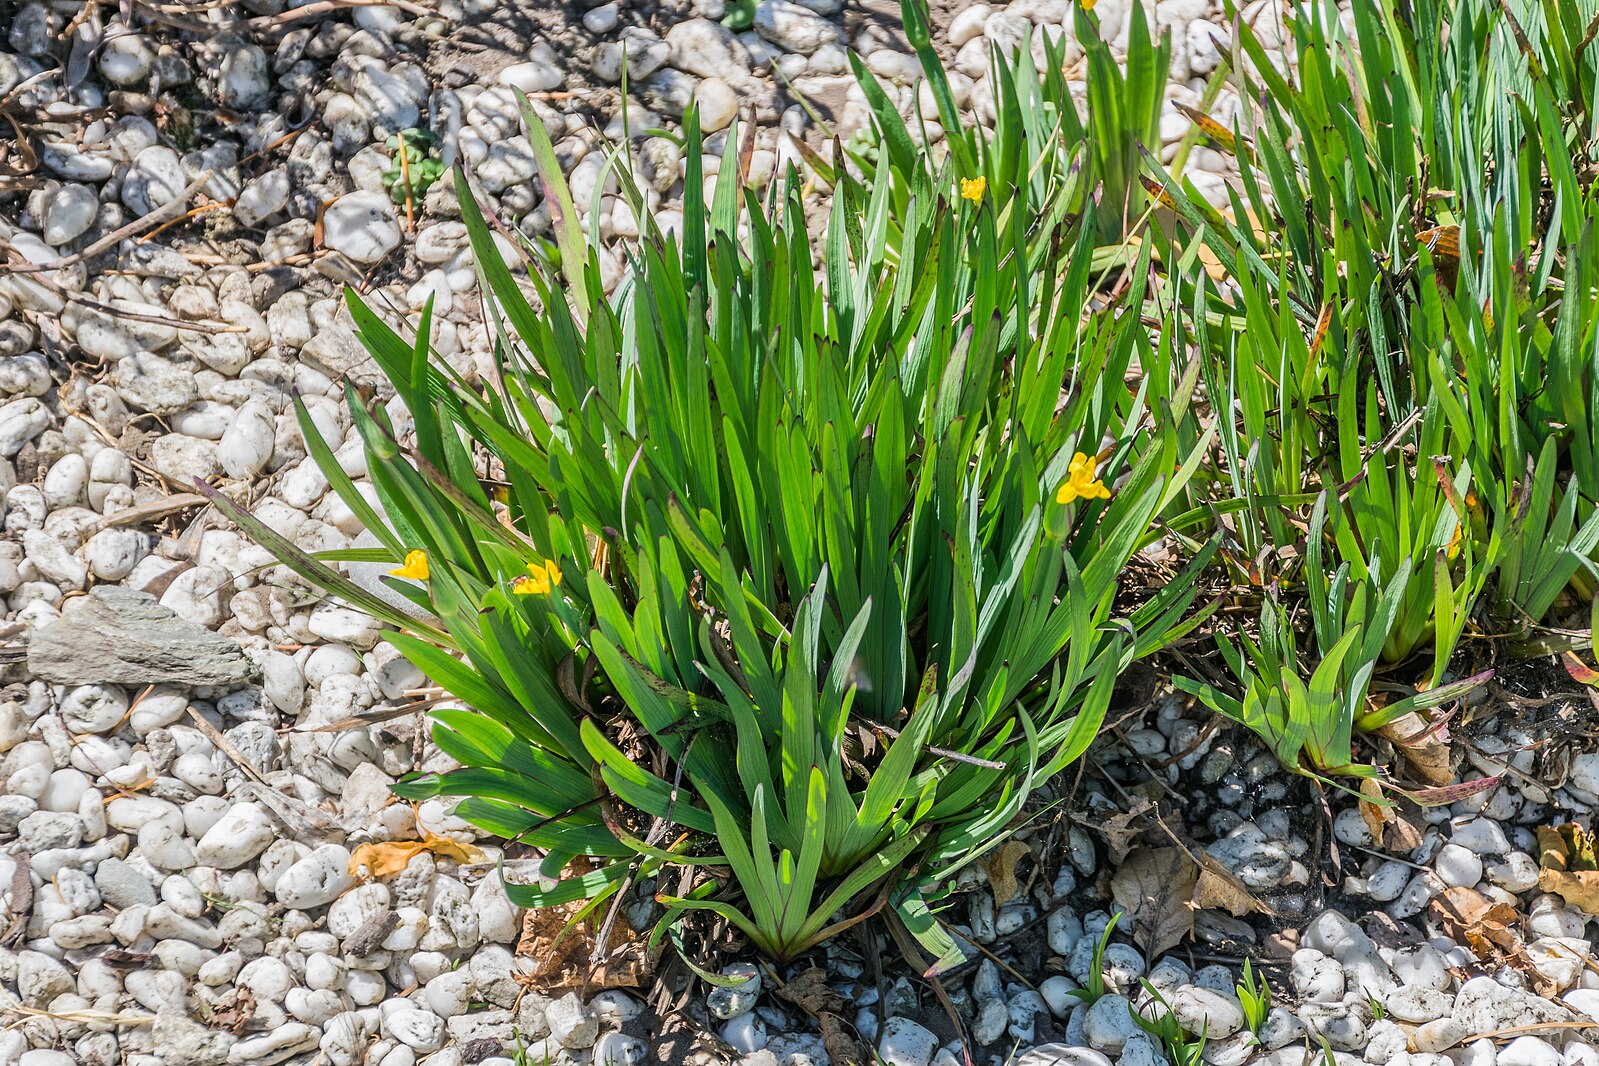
{"x": 1454, "y": 541}
{"x": 540, "y": 579}
{"x": 972, "y": 189}
{"x": 1087, "y": 5}
{"x": 1080, "y": 483}
{"x": 415, "y": 568}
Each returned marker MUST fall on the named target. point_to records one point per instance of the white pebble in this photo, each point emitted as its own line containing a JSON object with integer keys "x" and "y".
{"x": 242, "y": 834}
{"x": 362, "y": 225}
{"x": 246, "y": 445}
{"x": 317, "y": 879}
{"x": 1458, "y": 867}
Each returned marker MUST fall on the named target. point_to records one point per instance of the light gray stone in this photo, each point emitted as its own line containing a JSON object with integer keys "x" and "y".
{"x": 905, "y": 1043}
{"x": 362, "y": 225}
{"x": 124, "y": 636}
{"x": 792, "y": 27}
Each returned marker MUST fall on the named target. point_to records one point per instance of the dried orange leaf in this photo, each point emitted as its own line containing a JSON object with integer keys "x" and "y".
{"x": 389, "y": 857}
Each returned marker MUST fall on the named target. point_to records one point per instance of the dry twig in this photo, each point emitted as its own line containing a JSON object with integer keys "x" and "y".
{"x": 327, "y": 7}
{"x": 169, "y": 210}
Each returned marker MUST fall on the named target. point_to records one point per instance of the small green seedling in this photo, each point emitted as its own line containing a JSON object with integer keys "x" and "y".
{"x": 1095, "y": 988}
{"x": 415, "y": 164}
{"x": 521, "y": 1057}
{"x": 1255, "y": 995}
{"x": 740, "y": 15}
{"x": 1181, "y": 1048}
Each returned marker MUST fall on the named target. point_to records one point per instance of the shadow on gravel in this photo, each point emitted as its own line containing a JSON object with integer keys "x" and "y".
{"x": 476, "y": 51}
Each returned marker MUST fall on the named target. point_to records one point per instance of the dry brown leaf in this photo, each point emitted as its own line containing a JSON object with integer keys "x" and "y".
{"x": 1120, "y": 830}
{"x": 811, "y": 993}
{"x": 1470, "y": 918}
{"x": 235, "y": 1011}
{"x": 1418, "y": 742}
{"x": 1282, "y": 944}
{"x": 1404, "y": 834}
{"x": 1218, "y": 890}
{"x": 563, "y": 952}
{"x": 147, "y": 511}
{"x": 1488, "y": 928}
{"x": 1567, "y": 847}
{"x": 1216, "y": 887}
{"x": 1001, "y": 866}
{"x": 1155, "y": 889}
{"x": 1562, "y": 854}
{"x": 1394, "y": 821}
{"x": 388, "y": 858}
{"x": 21, "y": 900}
{"x": 1373, "y": 811}
{"x": 303, "y": 820}
{"x": 842, "y": 1048}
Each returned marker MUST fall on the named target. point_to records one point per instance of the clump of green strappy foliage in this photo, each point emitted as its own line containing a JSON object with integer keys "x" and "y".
{"x": 836, "y": 556}
{"x": 804, "y": 579}
{"x": 1402, "y": 326}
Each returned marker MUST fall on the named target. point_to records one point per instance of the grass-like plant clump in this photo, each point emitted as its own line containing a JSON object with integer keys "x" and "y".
{"x": 1408, "y": 301}
{"x": 804, "y": 578}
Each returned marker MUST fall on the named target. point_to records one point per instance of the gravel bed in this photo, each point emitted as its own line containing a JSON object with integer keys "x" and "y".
{"x": 177, "y": 825}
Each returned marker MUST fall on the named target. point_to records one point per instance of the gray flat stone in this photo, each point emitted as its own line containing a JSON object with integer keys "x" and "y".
{"x": 123, "y": 636}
